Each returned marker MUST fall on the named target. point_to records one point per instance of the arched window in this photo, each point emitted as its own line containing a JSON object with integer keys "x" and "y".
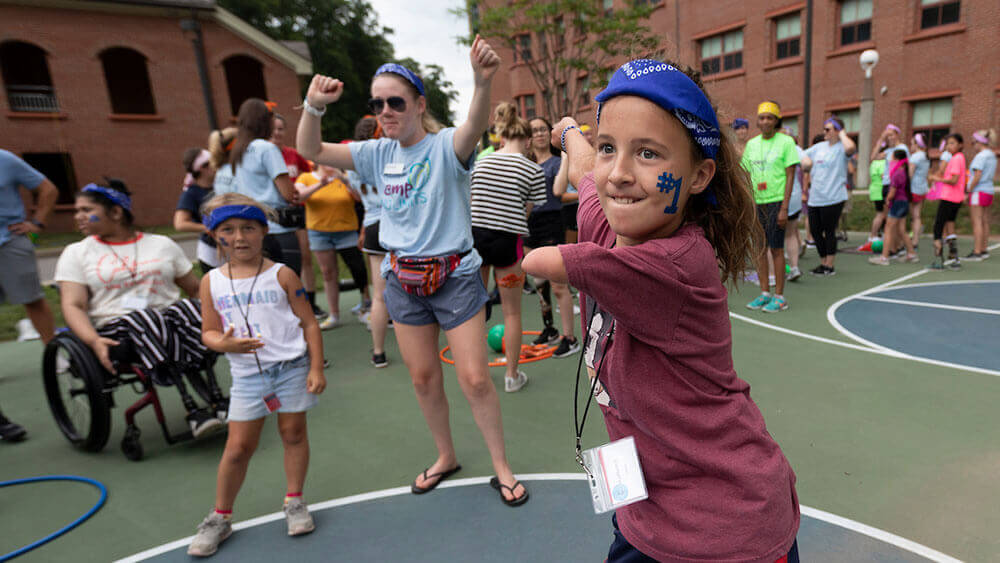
{"x": 26, "y": 77}
{"x": 127, "y": 78}
{"x": 244, "y": 79}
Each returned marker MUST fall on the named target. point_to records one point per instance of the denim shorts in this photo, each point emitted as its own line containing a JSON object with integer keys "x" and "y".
{"x": 899, "y": 208}
{"x": 335, "y": 240}
{"x": 458, "y": 300}
{"x": 286, "y": 379}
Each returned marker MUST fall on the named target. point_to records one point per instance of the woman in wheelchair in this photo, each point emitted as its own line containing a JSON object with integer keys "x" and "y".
{"x": 120, "y": 291}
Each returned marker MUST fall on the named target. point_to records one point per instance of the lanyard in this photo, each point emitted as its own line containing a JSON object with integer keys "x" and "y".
{"x": 134, "y": 270}
{"x": 246, "y": 315}
{"x": 762, "y": 162}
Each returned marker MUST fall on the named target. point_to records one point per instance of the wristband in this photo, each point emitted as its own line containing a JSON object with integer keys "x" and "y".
{"x": 37, "y": 223}
{"x": 312, "y": 110}
{"x": 562, "y": 138}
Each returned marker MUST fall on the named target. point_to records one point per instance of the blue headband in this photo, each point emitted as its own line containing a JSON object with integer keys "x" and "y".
{"x": 116, "y": 197}
{"x": 673, "y": 91}
{"x": 226, "y": 212}
{"x": 406, "y": 73}
{"x": 739, "y": 123}
{"x": 833, "y": 123}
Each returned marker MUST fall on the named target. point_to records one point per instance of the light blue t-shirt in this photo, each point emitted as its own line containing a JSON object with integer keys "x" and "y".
{"x": 14, "y": 172}
{"x": 889, "y": 160}
{"x": 918, "y": 183}
{"x": 985, "y": 161}
{"x": 828, "y": 175}
{"x": 425, "y": 196}
{"x": 795, "y": 202}
{"x": 261, "y": 164}
{"x": 224, "y": 180}
{"x": 370, "y": 198}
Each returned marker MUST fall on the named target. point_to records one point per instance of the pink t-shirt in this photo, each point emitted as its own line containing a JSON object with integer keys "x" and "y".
{"x": 955, "y": 193}
{"x": 719, "y": 486}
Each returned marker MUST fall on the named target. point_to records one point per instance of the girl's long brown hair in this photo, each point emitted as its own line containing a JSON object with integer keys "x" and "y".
{"x": 731, "y": 226}
{"x": 255, "y": 121}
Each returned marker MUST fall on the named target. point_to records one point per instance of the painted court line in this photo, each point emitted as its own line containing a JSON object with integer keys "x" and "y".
{"x": 858, "y": 527}
{"x": 930, "y": 305}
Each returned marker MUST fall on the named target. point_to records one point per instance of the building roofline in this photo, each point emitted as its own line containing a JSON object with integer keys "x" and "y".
{"x": 301, "y": 65}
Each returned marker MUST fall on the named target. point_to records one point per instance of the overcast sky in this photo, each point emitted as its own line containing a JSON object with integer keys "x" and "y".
{"x": 425, "y": 31}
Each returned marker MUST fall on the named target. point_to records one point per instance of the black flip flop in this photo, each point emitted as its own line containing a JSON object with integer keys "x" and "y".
{"x": 516, "y": 501}
{"x": 441, "y": 475}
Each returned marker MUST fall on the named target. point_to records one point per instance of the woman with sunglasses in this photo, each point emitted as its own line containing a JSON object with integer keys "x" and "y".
{"x": 187, "y": 217}
{"x": 827, "y": 192}
{"x": 432, "y": 272}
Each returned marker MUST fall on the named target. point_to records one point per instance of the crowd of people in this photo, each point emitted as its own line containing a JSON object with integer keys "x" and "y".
{"x": 662, "y": 201}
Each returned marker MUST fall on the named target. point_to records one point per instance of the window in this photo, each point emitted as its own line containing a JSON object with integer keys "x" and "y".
{"x": 543, "y": 45}
{"x": 792, "y": 124}
{"x": 641, "y": 3}
{"x": 937, "y": 12}
{"x": 522, "y": 48}
{"x": 58, "y": 168}
{"x": 244, "y": 79}
{"x": 855, "y": 21}
{"x": 852, "y": 122}
{"x": 933, "y": 119}
{"x": 127, "y": 79}
{"x": 26, "y": 78}
{"x": 529, "y": 106}
{"x": 722, "y": 52}
{"x": 787, "y": 35}
{"x": 583, "y": 89}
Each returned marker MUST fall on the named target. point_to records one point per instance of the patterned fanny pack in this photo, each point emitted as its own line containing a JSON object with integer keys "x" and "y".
{"x": 424, "y": 276}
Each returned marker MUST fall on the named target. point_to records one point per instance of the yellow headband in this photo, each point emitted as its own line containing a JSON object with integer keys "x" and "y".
{"x": 585, "y": 128}
{"x": 769, "y": 107}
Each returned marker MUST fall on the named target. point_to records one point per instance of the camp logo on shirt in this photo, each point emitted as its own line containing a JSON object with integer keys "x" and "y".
{"x": 401, "y": 196}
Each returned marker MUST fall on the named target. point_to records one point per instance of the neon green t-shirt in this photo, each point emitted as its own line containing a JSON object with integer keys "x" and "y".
{"x": 767, "y": 160}
{"x": 875, "y": 170}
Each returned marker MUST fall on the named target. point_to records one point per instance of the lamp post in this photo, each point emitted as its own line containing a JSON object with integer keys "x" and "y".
{"x": 868, "y": 60}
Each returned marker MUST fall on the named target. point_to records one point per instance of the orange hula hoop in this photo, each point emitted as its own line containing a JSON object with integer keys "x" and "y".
{"x": 529, "y": 353}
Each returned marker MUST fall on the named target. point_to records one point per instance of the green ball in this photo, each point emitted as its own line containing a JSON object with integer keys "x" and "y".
{"x": 495, "y": 338}
{"x": 877, "y": 246}
{"x": 788, "y": 269}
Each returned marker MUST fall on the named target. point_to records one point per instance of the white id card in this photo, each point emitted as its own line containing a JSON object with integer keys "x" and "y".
{"x": 393, "y": 168}
{"x": 134, "y": 303}
{"x": 616, "y": 476}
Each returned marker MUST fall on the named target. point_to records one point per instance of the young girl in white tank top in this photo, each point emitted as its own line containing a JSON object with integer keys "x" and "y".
{"x": 256, "y": 312}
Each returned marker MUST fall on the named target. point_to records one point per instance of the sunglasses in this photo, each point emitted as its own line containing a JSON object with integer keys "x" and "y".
{"x": 827, "y": 129}
{"x": 396, "y": 103}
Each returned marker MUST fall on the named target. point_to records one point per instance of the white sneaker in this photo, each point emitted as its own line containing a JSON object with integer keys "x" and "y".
{"x": 26, "y": 331}
{"x": 794, "y": 274}
{"x": 298, "y": 517}
{"x": 331, "y": 321}
{"x": 514, "y": 384}
{"x": 212, "y": 531}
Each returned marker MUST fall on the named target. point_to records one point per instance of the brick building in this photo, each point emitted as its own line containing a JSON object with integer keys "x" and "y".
{"x": 106, "y": 87}
{"x": 938, "y": 69}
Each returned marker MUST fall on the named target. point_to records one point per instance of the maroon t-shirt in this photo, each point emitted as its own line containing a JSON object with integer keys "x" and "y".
{"x": 720, "y": 488}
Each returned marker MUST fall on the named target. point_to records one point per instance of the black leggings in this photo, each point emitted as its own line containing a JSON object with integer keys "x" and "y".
{"x": 356, "y": 264}
{"x": 284, "y": 248}
{"x": 947, "y": 211}
{"x": 823, "y": 226}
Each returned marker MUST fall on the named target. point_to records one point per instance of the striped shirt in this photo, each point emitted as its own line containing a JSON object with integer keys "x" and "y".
{"x": 502, "y": 185}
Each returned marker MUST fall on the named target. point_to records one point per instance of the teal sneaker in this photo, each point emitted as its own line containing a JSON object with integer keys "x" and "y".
{"x": 774, "y": 305}
{"x": 759, "y": 303}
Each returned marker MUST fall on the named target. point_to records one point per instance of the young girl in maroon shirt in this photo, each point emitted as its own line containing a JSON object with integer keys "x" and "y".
{"x": 665, "y": 217}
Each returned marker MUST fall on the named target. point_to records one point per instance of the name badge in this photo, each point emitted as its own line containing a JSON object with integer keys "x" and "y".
{"x": 393, "y": 168}
{"x": 615, "y": 475}
{"x": 135, "y": 303}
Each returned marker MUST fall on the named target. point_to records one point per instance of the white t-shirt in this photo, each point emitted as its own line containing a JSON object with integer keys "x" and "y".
{"x": 124, "y": 276}
{"x": 370, "y": 198}
{"x": 268, "y": 314}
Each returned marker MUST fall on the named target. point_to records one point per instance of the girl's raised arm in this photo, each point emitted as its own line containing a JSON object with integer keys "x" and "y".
{"x": 485, "y": 63}
{"x": 323, "y": 90}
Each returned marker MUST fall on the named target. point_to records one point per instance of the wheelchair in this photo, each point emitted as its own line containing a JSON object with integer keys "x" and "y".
{"x": 80, "y": 393}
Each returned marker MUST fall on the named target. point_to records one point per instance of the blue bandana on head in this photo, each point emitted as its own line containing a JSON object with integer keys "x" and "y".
{"x": 406, "y": 73}
{"x": 116, "y": 197}
{"x": 226, "y": 212}
{"x": 740, "y": 123}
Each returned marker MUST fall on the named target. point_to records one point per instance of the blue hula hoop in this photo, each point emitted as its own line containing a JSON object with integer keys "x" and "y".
{"x": 63, "y": 530}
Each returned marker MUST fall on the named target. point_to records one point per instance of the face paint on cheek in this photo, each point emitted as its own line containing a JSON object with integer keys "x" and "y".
{"x": 93, "y": 219}
{"x": 223, "y": 242}
{"x": 666, "y": 185}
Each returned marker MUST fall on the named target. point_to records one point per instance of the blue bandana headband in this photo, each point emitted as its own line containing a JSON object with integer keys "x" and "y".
{"x": 406, "y": 73}
{"x": 116, "y": 197}
{"x": 226, "y": 212}
{"x": 739, "y": 123}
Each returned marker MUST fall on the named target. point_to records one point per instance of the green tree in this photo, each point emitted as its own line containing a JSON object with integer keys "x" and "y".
{"x": 345, "y": 41}
{"x": 570, "y": 46}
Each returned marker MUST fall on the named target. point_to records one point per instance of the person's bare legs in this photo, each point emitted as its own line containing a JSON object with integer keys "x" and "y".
{"x": 308, "y": 273}
{"x": 468, "y": 348}
{"x": 418, "y": 346}
{"x": 778, "y": 257}
{"x": 240, "y": 445}
{"x": 915, "y": 221}
{"x": 792, "y": 242}
{"x": 327, "y": 260}
{"x": 985, "y": 220}
{"x": 565, "y": 300}
{"x": 378, "y": 318}
{"x": 510, "y": 282}
{"x": 41, "y": 317}
{"x": 763, "y": 269}
{"x": 877, "y": 222}
{"x": 889, "y": 238}
{"x": 978, "y": 240}
{"x": 295, "y": 439}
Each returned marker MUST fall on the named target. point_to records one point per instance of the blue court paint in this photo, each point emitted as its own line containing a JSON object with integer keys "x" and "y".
{"x": 94, "y": 219}
{"x": 668, "y": 184}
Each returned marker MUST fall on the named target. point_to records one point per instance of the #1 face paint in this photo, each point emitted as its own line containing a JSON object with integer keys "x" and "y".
{"x": 668, "y": 184}
{"x": 223, "y": 242}
{"x": 94, "y": 219}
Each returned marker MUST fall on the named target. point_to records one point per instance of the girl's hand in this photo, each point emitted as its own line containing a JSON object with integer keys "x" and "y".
{"x": 315, "y": 382}
{"x": 558, "y": 128}
{"x": 323, "y": 90}
{"x": 485, "y": 61}
{"x": 231, "y": 344}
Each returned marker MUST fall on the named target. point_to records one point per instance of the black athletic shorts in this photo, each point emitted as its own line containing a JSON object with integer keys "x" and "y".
{"x": 569, "y": 216}
{"x": 371, "y": 244}
{"x": 767, "y": 214}
{"x": 499, "y": 249}
{"x": 546, "y": 228}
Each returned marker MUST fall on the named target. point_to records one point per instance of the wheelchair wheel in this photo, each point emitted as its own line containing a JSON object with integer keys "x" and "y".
{"x": 74, "y": 386}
